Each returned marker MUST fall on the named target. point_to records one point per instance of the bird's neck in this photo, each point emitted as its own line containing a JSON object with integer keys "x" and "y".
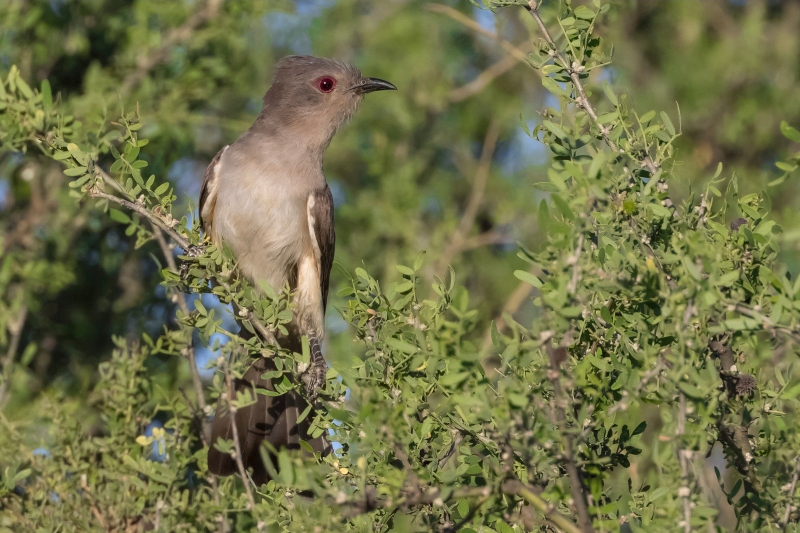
{"x": 290, "y": 142}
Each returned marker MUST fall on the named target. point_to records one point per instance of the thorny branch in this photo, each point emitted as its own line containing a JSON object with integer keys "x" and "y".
{"x": 582, "y": 99}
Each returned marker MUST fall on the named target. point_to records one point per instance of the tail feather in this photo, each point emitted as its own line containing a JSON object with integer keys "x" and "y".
{"x": 271, "y": 419}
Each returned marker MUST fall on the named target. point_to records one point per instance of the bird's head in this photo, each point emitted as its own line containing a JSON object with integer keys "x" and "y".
{"x": 312, "y": 96}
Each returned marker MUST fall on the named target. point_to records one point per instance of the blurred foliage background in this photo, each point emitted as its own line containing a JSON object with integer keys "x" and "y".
{"x": 444, "y": 165}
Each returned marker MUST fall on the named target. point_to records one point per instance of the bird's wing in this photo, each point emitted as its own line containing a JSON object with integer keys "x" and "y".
{"x": 208, "y": 192}
{"x": 323, "y": 236}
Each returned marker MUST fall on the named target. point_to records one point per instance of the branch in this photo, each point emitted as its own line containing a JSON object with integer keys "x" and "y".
{"x": 475, "y": 198}
{"x": 684, "y": 492}
{"x": 485, "y": 239}
{"x": 582, "y": 100}
{"x": 546, "y": 508}
{"x": 236, "y": 445}
{"x": 557, "y": 358}
{"x": 197, "y": 382}
{"x": 512, "y": 305}
{"x": 429, "y": 496}
{"x": 471, "y": 24}
{"x": 15, "y": 329}
{"x": 484, "y": 79}
{"x": 792, "y": 488}
{"x": 147, "y": 60}
{"x": 576, "y": 268}
{"x": 765, "y": 321}
{"x": 146, "y": 213}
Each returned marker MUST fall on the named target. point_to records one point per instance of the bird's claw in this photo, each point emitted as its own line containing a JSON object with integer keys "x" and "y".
{"x": 315, "y": 380}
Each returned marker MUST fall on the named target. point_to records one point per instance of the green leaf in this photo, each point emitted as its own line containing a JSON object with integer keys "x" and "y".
{"x": 161, "y": 189}
{"x": 47, "y": 96}
{"x": 545, "y": 186}
{"x": 555, "y": 129}
{"x": 118, "y": 216}
{"x": 24, "y": 88}
{"x": 691, "y": 390}
{"x": 528, "y": 278}
{"x": 610, "y": 95}
{"x": 789, "y": 132}
{"x": 76, "y": 171}
{"x": 551, "y": 85}
{"x": 401, "y": 345}
{"x": 448, "y": 380}
{"x": 668, "y": 123}
{"x": 404, "y": 270}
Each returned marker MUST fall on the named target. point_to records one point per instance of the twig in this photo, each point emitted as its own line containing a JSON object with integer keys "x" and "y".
{"x": 475, "y": 198}
{"x": 512, "y": 305}
{"x": 142, "y": 210}
{"x": 684, "y": 492}
{"x": 547, "y": 509}
{"x": 483, "y": 79}
{"x": 147, "y": 60}
{"x": 560, "y": 400}
{"x": 15, "y": 329}
{"x": 766, "y": 322}
{"x": 197, "y": 382}
{"x": 430, "y": 495}
{"x": 236, "y": 445}
{"x": 484, "y": 239}
{"x": 792, "y": 488}
{"x": 576, "y": 266}
{"x": 582, "y": 100}
{"x": 471, "y": 24}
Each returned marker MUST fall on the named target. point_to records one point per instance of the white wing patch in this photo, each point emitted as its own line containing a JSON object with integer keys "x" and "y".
{"x": 309, "y": 297}
{"x": 311, "y": 223}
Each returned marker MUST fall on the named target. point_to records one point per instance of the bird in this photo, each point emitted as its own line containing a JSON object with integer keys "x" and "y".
{"x": 266, "y": 198}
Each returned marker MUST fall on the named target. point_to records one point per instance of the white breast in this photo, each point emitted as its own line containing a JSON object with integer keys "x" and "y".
{"x": 261, "y": 214}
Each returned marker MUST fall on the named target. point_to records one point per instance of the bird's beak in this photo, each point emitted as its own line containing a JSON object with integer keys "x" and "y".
{"x": 370, "y": 85}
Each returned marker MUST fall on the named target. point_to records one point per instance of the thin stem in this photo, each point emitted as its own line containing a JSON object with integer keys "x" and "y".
{"x": 197, "y": 382}
{"x": 792, "y": 488}
{"x": 15, "y": 329}
{"x": 560, "y": 401}
{"x": 546, "y": 508}
{"x": 237, "y": 446}
{"x": 142, "y": 210}
{"x": 582, "y": 100}
{"x": 475, "y": 198}
{"x": 576, "y": 267}
{"x": 483, "y": 79}
{"x": 474, "y": 26}
{"x": 512, "y": 305}
{"x": 684, "y": 492}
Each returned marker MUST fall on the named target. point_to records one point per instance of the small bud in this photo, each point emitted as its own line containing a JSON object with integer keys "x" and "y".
{"x": 684, "y": 492}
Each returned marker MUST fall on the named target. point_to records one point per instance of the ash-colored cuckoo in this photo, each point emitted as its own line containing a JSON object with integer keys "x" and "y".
{"x": 265, "y": 197}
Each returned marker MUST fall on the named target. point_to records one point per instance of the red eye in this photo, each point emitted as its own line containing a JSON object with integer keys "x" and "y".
{"x": 326, "y": 84}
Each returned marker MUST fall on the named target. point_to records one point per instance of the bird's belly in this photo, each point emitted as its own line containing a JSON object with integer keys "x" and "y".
{"x": 267, "y": 237}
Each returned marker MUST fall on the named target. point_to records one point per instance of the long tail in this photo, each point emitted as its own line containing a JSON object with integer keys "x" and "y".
{"x": 271, "y": 419}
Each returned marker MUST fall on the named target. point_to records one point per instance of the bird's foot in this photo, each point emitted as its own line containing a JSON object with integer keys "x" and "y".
{"x": 315, "y": 379}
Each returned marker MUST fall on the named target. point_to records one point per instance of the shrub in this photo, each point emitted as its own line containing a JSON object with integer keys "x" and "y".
{"x": 665, "y": 331}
